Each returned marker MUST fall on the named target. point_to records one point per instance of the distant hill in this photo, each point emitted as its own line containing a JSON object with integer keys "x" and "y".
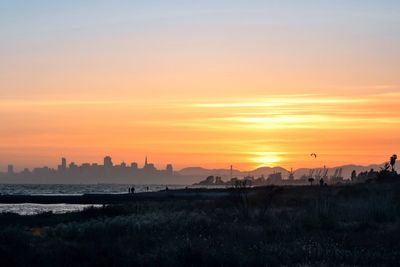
{"x": 194, "y": 171}
{"x": 195, "y": 174}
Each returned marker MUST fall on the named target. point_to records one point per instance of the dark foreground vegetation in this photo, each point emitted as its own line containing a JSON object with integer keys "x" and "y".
{"x": 293, "y": 226}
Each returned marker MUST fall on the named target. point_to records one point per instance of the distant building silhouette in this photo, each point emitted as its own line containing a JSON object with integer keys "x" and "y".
{"x": 274, "y": 178}
{"x": 10, "y": 169}
{"x": 134, "y": 165}
{"x": 149, "y": 167}
{"x": 73, "y": 166}
{"x": 169, "y": 169}
{"x": 63, "y": 166}
{"x": 108, "y": 162}
{"x": 93, "y": 172}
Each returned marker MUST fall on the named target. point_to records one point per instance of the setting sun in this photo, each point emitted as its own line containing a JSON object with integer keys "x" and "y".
{"x": 266, "y": 159}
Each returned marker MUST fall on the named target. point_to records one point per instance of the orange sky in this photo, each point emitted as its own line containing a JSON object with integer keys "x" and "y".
{"x": 200, "y": 83}
{"x": 246, "y": 132}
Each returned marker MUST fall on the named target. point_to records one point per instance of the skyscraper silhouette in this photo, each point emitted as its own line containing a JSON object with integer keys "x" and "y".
{"x": 108, "y": 162}
{"x": 10, "y": 169}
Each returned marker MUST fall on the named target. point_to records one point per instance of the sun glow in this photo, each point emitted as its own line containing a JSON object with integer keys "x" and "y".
{"x": 266, "y": 159}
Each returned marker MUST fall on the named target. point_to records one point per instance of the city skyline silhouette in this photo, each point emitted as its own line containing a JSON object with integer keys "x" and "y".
{"x": 147, "y": 173}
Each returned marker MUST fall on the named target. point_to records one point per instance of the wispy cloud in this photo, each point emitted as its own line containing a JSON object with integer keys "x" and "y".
{"x": 299, "y": 111}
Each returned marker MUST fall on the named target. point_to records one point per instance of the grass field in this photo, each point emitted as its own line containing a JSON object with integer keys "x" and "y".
{"x": 356, "y": 225}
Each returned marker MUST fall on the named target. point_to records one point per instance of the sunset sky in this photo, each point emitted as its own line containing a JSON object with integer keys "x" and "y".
{"x": 199, "y": 83}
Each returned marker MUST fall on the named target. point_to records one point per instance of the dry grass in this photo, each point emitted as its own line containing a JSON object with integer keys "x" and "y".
{"x": 291, "y": 226}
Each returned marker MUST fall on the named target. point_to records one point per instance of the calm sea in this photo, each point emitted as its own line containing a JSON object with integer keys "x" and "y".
{"x": 63, "y": 189}
{"x": 77, "y": 189}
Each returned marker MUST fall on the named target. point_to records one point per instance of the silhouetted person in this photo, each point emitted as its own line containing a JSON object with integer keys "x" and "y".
{"x": 321, "y": 182}
{"x": 133, "y": 190}
{"x": 129, "y": 190}
{"x": 166, "y": 188}
{"x": 147, "y": 188}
